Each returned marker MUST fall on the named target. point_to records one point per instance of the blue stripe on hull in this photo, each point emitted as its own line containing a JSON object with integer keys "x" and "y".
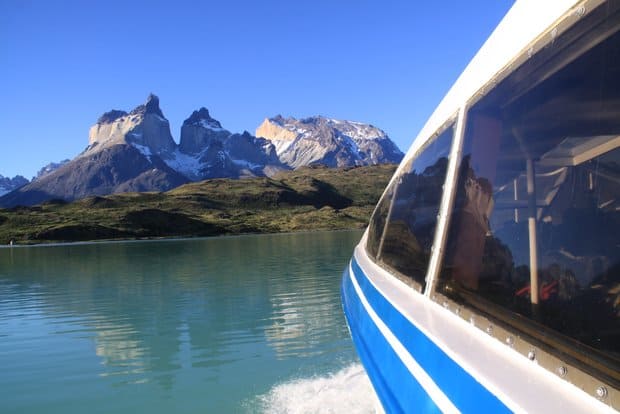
{"x": 398, "y": 390}
{"x": 381, "y": 362}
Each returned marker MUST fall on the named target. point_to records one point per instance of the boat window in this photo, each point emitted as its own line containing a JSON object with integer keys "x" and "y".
{"x": 377, "y": 222}
{"x": 535, "y": 226}
{"x": 409, "y": 228}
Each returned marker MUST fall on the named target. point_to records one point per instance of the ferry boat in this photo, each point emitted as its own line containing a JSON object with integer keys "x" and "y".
{"x": 488, "y": 279}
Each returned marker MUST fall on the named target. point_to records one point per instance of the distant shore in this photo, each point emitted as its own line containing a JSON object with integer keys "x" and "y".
{"x": 308, "y": 199}
{"x": 164, "y": 239}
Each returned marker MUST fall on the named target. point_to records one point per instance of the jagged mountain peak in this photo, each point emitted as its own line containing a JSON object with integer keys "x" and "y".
{"x": 352, "y": 129}
{"x": 135, "y": 151}
{"x": 207, "y": 150}
{"x": 151, "y": 106}
{"x": 278, "y": 119}
{"x": 311, "y": 119}
{"x": 332, "y": 142}
{"x": 145, "y": 127}
{"x": 200, "y": 131}
{"x": 202, "y": 117}
{"x": 9, "y": 184}
{"x": 111, "y": 116}
{"x": 49, "y": 168}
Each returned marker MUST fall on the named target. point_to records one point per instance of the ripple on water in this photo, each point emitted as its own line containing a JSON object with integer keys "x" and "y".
{"x": 177, "y": 326}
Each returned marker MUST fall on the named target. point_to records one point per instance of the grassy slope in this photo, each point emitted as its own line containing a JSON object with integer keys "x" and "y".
{"x": 306, "y": 199}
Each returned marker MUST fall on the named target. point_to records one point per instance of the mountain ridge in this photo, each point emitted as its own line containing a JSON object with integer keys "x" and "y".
{"x": 135, "y": 151}
{"x": 328, "y": 141}
{"x": 10, "y": 184}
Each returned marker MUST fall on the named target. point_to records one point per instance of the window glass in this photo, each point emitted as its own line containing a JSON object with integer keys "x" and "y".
{"x": 535, "y": 227}
{"x": 411, "y": 221}
{"x": 377, "y": 223}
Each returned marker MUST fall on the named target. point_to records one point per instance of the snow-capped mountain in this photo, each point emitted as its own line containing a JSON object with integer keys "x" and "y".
{"x": 145, "y": 128}
{"x": 135, "y": 151}
{"x": 332, "y": 142}
{"x": 206, "y": 150}
{"x": 125, "y": 153}
{"x": 9, "y": 184}
{"x": 199, "y": 131}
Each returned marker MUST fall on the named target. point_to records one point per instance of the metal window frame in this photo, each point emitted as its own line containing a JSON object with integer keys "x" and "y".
{"x": 447, "y": 202}
{"x": 451, "y": 122}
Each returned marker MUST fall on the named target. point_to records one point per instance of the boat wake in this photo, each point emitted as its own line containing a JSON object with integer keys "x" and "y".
{"x": 346, "y": 391}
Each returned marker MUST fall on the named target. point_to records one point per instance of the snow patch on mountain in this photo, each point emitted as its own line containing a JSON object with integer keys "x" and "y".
{"x": 187, "y": 164}
{"x": 281, "y": 145}
{"x": 146, "y": 151}
{"x": 210, "y": 125}
{"x": 356, "y": 130}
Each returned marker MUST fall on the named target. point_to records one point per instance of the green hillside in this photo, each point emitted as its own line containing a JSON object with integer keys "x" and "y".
{"x": 311, "y": 198}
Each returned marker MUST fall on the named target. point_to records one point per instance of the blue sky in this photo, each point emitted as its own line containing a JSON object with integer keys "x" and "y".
{"x": 64, "y": 63}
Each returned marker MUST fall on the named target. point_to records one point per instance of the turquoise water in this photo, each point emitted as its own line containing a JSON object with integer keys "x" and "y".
{"x": 222, "y": 325}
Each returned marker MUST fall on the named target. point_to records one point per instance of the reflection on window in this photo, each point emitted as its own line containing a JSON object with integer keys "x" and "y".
{"x": 377, "y": 223}
{"x": 412, "y": 217}
{"x": 536, "y": 221}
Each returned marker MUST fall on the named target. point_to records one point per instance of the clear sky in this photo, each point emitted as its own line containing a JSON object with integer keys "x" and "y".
{"x": 387, "y": 63}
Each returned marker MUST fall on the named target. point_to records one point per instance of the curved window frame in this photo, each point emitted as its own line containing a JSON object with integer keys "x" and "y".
{"x": 451, "y": 122}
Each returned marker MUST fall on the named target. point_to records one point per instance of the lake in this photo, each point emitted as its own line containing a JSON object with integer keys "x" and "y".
{"x": 247, "y": 324}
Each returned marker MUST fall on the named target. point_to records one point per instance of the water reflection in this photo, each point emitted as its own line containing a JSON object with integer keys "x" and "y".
{"x": 216, "y": 312}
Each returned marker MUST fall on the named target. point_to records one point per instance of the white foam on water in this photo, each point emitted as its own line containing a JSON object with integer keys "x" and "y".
{"x": 346, "y": 391}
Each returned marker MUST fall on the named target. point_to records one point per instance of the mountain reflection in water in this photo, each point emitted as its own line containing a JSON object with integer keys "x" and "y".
{"x": 178, "y": 325}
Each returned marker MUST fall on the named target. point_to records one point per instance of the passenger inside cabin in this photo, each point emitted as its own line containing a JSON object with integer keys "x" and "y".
{"x": 538, "y": 198}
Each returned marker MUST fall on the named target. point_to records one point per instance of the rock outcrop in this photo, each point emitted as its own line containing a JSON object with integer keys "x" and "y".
{"x": 145, "y": 127}
{"x": 199, "y": 131}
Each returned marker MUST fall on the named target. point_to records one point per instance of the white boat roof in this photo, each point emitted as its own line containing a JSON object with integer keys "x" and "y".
{"x": 522, "y": 25}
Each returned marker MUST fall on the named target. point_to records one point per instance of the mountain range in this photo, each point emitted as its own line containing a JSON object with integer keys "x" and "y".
{"x": 135, "y": 152}
{"x": 9, "y": 184}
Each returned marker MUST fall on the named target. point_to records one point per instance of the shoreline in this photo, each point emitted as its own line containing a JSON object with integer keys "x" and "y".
{"x": 173, "y": 238}
{"x": 316, "y": 199}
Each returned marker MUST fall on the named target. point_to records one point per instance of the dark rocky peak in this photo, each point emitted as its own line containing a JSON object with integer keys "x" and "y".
{"x": 279, "y": 119}
{"x": 17, "y": 181}
{"x": 247, "y": 148}
{"x": 9, "y": 184}
{"x": 111, "y": 116}
{"x": 314, "y": 120}
{"x": 51, "y": 167}
{"x": 200, "y": 131}
{"x": 202, "y": 117}
{"x": 151, "y": 106}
